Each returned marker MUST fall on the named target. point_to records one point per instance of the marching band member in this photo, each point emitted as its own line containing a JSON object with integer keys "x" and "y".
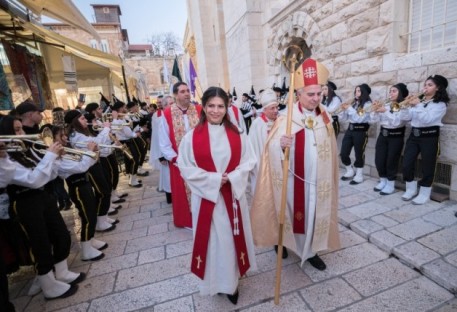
{"x": 425, "y": 116}
{"x": 215, "y": 160}
{"x": 126, "y": 135}
{"x": 7, "y": 169}
{"x": 389, "y": 144}
{"x": 356, "y": 135}
{"x": 332, "y": 102}
{"x": 43, "y": 225}
{"x": 138, "y": 125}
{"x": 75, "y": 173}
{"x": 94, "y": 115}
{"x": 78, "y": 132}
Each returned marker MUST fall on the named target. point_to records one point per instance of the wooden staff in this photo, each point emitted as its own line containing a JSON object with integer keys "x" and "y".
{"x": 293, "y": 57}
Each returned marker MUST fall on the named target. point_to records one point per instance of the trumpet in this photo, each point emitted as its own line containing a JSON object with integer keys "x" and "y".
{"x": 342, "y": 107}
{"x": 84, "y": 144}
{"x": 97, "y": 127}
{"x": 361, "y": 111}
{"x": 124, "y": 148}
{"x": 396, "y": 107}
{"x": 38, "y": 141}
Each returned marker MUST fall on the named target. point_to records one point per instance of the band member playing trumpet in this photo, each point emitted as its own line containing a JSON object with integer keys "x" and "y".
{"x": 356, "y": 135}
{"x": 35, "y": 208}
{"x": 332, "y": 102}
{"x": 126, "y": 135}
{"x": 94, "y": 114}
{"x": 389, "y": 144}
{"x": 81, "y": 193}
{"x": 78, "y": 131}
{"x": 425, "y": 116}
{"x": 138, "y": 125}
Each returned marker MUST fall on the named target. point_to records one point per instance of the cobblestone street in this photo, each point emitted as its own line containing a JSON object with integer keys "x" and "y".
{"x": 395, "y": 256}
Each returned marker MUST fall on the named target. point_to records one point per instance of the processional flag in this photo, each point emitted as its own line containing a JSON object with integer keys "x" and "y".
{"x": 175, "y": 71}
{"x": 193, "y": 77}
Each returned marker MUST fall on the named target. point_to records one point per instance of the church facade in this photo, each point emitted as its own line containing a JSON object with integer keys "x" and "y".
{"x": 239, "y": 43}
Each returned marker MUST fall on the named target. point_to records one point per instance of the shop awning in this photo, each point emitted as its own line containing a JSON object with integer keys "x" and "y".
{"x": 62, "y": 10}
{"x": 104, "y": 59}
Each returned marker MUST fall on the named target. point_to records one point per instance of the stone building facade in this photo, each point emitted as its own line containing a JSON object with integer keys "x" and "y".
{"x": 360, "y": 41}
{"x": 139, "y": 60}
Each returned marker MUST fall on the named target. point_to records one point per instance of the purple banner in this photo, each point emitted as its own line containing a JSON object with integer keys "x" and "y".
{"x": 193, "y": 76}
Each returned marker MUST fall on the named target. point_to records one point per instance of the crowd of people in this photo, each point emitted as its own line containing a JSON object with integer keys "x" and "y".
{"x": 211, "y": 158}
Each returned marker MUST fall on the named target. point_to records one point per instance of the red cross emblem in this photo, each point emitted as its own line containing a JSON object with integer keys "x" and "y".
{"x": 309, "y": 72}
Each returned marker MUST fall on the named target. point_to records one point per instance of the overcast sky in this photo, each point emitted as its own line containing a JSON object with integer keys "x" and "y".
{"x": 143, "y": 18}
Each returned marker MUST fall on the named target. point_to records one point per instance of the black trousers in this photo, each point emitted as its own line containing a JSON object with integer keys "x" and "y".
{"x": 131, "y": 165}
{"x": 101, "y": 187}
{"x": 248, "y": 122}
{"x": 60, "y": 192}
{"x": 140, "y": 145}
{"x": 114, "y": 169}
{"x": 336, "y": 125}
{"x": 387, "y": 155}
{"x": 42, "y": 223}
{"x": 358, "y": 140}
{"x": 5, "y": 303}
{"x": 107, "y": 171}
{"x": 83, "y": 196}
{"x": 429, "y": 149}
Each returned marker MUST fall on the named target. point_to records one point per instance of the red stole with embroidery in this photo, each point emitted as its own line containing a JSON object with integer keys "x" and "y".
{"x": 202, "y": 153}
{"x": 299, "y": 176}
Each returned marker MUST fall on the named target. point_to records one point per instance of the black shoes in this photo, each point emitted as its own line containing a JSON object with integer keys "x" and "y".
{"x": 233, "y": 298}
{"x": 317, "y": 262}
{"x": 285, "y": 254}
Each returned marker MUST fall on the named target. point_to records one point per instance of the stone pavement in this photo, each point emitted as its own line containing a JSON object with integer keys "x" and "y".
{"x": 395, "y": 256}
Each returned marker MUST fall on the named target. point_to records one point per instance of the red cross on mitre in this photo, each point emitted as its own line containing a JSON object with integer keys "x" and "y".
{"x": 311, "y": 72}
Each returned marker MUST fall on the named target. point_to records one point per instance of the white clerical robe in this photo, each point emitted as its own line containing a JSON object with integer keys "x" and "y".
{"x": 164, "y": 179}
{"x": 221, "y": 271}
{"x": 237, "y": 122}
{"x": 320, "y": 195}
{"x": 258, "y": 134}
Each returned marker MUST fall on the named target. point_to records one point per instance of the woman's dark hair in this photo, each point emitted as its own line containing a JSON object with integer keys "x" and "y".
{"x": 365, "y": 91}
{"x": 7, "y": 125}
{"x": 210, "y": 93}
{"x": 7, "y": 128}
{"x": 330, "y": 95}
{"x": 75, "y": 126}
{"x": 441, "y": 94}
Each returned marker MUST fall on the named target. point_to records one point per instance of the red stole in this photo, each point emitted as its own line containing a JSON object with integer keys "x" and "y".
{"x": 182, "y": 216}
{"x": 299, "y": 176}
{"x": 236, "y": 113}
{"x": 159, "y": 113}
{"x": 202, "y": 153}
{"x": 264, "y": 118}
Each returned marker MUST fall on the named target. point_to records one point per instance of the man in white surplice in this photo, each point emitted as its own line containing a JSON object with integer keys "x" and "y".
{"x": 235, "y": 115}
{"x": 157, "y": 159}
{"x": 260, "y": 128}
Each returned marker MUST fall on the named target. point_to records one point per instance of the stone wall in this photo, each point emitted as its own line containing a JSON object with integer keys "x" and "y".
{"x": 359, "y": 41}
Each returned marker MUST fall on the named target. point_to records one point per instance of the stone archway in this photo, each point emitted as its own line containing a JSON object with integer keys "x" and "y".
{"x": 298, "y": 28}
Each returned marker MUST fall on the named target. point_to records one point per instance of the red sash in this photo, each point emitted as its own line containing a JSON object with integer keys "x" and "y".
{"x": 236, "y": 113}
{"x": 159, "y": 113}
{"x": 299, "y": 184}
{"x": 202, "y": 154}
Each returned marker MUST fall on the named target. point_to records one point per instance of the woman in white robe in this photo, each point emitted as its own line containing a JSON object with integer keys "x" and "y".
{"x": 222, "y": 266}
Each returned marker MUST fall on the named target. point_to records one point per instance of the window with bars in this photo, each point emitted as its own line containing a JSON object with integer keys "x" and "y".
{"x": 433, "y": 24}
{"x": 93, "y": 44}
